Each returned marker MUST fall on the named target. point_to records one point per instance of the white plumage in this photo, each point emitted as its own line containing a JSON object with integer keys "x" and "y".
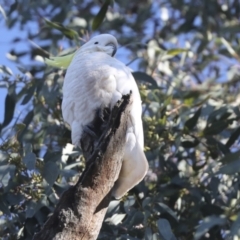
{"x": 95, "y": 79}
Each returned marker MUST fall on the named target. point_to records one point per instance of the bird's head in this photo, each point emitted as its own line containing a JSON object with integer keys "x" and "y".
{"x": 101, "y": 43}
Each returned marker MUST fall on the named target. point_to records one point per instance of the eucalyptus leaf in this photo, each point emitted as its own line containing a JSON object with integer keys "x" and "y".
{"x": 143, "y": 77}
{"x": 164, "y": 208}
{"x": 187, "y": 69}
{"x": 231, "y": 157}
{"x": 6, "y": 173}
{"x": 13, "y": 7}
{"x": 97, "y": 21}
{"x": 9, "y": 110}
{"x": 164, "y": 229}
{"x": 216, "y": 127}
{"x": 29, "y": 95}
{"x": 235, "y": 135}
{"x": 148, "y": 234}
{"x": 235, "y": 229}
{"x": 230, "y": 168}
{"x": 32, "y": 207}
{"x": 69, "y": 33}
{"x": 207, "y": 224}
{"x": 30, "y": 160}
{"x": 50, "y": 172}
{"x": 190, "y": 144}
{"x": 191, "y": 122}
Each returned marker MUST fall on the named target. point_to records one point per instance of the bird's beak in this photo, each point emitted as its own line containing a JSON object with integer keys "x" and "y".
{"x": 114, "y": 48}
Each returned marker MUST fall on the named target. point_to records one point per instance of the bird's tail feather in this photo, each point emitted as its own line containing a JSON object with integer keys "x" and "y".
{"x": 134, "y": 169}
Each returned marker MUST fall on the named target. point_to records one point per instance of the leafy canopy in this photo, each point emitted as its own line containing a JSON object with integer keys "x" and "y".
{"x": 185, "y": 60}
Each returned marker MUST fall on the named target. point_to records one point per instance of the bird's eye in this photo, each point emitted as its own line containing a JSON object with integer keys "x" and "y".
{"x": 96, "y": 43}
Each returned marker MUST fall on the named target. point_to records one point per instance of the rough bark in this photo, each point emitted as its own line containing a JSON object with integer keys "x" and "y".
{"x": 81, "y": 209}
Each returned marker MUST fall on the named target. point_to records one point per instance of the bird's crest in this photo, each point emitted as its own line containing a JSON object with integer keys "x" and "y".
{"x": 61, "y": 61}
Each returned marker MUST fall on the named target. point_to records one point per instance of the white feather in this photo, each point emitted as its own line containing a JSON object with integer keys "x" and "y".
{"x": 95, "y": 79}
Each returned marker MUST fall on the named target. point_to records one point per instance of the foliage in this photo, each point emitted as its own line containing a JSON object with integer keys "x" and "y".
{"x": 186, "y": 62}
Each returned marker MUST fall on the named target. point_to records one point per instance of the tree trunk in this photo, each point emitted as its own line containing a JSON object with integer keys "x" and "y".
{"x": 81, "y": 209}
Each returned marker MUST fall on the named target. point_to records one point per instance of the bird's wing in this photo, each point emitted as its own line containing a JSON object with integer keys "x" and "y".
{"x": 133, "y": 170}
{"x": 135, "y": 164}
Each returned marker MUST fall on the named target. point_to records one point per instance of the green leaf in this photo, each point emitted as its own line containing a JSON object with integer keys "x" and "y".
{"x": 69, "y": 33}
{"x": 235, "y": 135}
{"x": 130, "y": 201}
{"x": 148, "y": 234}
{"x": 214, "y": 145}
{"x": 167, "y": 101}
{"x": 155, "y": 236}
{"x": 211, "y": 209}
{"x": 229, "y": 47}
{"x": 9, "y": 110}
{"x": 6, "y": 70}
{"x": 235, "y": 229}
{"x": 190, "y": 144}
{"x": 230, "y": 168}
{"x": 216, "y": 128}
{"x": 223, "y": 148}
{"x": 231, "y": 157}
{"x": 13, "y": 7}
{"x": 4, "y": 177}
{"x": 27, "y": 120}
{"x": 163, "y": 208}
{"x": 219, "y": 114}
{"x": 4, "y": 207}
{"x": 30, "y": 160}
{"x": 32, "y": 207}
{"x": 191, "y": 122}
{"x": 101, "y": 15}
{"x": 137, "y": 219}
{"x": 6, "y": 173}
{"x": 3, "y": 158}
{"x": 164, "y": 229}
{"x": 172, "y": 53}
{"x": 175, "y": 51}
{"x": 207, "y": 224}
{"x": 146, "y": 201}
{"x": 14, "y": 198}
{"x": 203, "y": 44}
{"x": 68, "y": 173}
{"x": 50, "y": 172}
{"x": 142, "y": 76}
{"x": 28, "y": 96}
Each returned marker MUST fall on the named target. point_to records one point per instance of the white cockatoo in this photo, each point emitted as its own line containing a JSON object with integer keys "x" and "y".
{"x": 95, "y": 79}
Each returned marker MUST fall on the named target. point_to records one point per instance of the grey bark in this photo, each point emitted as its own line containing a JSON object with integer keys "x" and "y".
{"x": 81, "y": 209}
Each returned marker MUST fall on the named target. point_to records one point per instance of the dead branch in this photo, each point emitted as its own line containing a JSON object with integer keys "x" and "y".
{"x": 81, "y": 209}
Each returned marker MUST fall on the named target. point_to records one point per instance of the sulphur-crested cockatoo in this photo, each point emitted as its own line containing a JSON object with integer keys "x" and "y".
{"x": 95, "y": 79}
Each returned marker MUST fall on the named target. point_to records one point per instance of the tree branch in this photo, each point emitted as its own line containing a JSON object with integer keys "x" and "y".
{"x": 81, "y": 209}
